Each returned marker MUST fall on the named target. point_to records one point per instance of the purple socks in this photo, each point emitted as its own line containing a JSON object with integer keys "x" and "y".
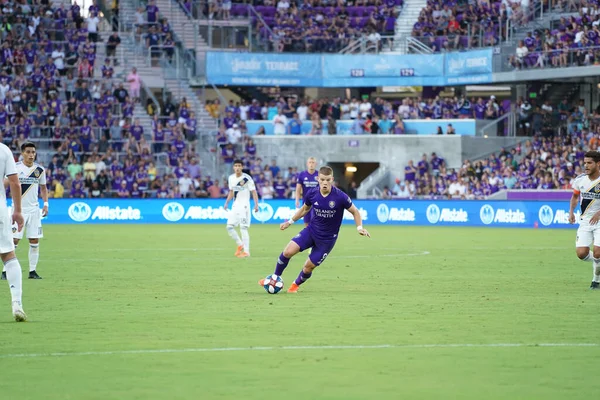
{"x": 302, "y": 277}
{"x": 282, "y": 263}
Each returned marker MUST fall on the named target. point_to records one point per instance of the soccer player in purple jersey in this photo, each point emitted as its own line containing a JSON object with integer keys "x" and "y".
{"x": 328, "y": 204}
{"x": 306, "y": 181}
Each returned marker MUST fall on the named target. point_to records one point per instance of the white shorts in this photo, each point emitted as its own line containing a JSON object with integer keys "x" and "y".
{"x": 239, "y": 216}
{"x": 6, "y": 237}
{"x": 33, "y": 226}
{"x": 588, "y": 234}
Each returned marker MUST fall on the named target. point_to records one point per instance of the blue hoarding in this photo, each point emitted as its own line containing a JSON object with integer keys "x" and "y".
{"x": 463, "y": 127}
{"x": 330, "y": 70}
{"x": 250, "y": 69}
{"x": 468, "y": 67}
{"x": 526, "y": 214}
{"x": 383, "y": 70}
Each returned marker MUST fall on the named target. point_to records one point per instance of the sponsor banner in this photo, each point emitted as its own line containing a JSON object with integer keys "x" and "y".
{"x": 357, "y": 70}
{"x": 468, "y": 66}
{"x": 463, "y": 127}
{"x": 526, "y": 214}
{"x": 267, "y": 69}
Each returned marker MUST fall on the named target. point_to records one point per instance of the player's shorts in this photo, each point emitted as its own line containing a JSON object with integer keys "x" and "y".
{"x": 6, "y": 237}
{"x": 320, "y": 248}
{"x": 239, "y": 216}
{"x": 33, "y": 226}
{"x": 588, "y": 234}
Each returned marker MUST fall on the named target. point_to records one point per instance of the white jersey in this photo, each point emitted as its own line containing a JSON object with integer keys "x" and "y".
{"x": 7, "y": 167}
{"x": 31, "y": 178}
{"x": 589, "y": 193}
{"x": 241, "y": 187}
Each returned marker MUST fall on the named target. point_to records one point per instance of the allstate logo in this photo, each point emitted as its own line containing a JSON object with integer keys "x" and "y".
{"x": 173, "y": 211}
{"x": 433, "y": 213}
{"x": 383, "y": 213}
{"x": 265, "y": 212}
{"x": 546, "y": 215}
{"x": 486, "y": 214}
{"x": 80, "y": 211}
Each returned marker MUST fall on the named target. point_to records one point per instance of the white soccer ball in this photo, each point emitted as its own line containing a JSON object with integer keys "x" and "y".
{"x": 273, "y": 284}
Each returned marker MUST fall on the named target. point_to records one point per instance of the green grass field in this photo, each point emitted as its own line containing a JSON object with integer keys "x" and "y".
{"x": 119, "y": 292}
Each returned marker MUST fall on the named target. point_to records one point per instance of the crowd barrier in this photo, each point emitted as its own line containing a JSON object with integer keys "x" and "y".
{"x": 331, "y": 70}
{"x": 463, "y": 127}
{"x": 526, "y": 214}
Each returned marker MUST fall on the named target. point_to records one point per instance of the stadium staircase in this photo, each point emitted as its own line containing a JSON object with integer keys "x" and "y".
{"x": 404, "y": 25}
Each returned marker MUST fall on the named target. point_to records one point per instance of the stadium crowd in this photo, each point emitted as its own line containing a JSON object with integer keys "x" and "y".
{"x": 54, "y": 92}
{"x": 309, "y": 25}
{"x": 550, "y": 159}
{"x": 446, "y": 25}
{"x": 376, "y": 116}
{"x": 574, "y": 42}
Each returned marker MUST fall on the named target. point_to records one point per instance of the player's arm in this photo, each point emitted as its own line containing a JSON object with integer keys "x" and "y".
{"x": 302, "y": 211}
{"x": 358, "y": 221}
{"x": 44, "y": 194}
{"x": 572, "y": 205}
{"x": 298, "y": 194}
{"x": 255, "y": 197}
{"x": 228, "y": 199}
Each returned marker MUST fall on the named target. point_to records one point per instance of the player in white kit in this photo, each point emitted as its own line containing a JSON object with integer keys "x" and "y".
{"x": 33, "y": 180}
{"x": 8, "y": 169}
{"x": 240, "y": 187}
{"x": 587, "y": 187}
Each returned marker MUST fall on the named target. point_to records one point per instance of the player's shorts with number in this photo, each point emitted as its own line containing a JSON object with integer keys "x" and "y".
{"x": 239, "y": 216}
{"x": 6, "y": 238}
{"x": 33, "y": 226}
{"x": 588, "y": 234}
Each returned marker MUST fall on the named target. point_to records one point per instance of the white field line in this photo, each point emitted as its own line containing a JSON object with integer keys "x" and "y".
{"x": 120, "y": 258}
{"x": 298, "y": 348}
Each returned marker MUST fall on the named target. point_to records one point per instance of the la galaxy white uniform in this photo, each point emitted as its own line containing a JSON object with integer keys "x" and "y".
{"x": 7, "y": 167}
{"x": 589, "y": 195}
{"x": 240, "y": 210}
{"x": 30, "y": 178}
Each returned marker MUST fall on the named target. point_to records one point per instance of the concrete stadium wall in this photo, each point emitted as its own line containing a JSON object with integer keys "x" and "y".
{"x": 392, "y": 152}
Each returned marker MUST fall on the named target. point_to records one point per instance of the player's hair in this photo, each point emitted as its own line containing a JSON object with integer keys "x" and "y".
{"x": 26, "y": 145}
{"x": 238, "y": 161}
{"x": 326, "y": 171}
{"x": 594, "y": 155}
{"x": 311, "y": 159}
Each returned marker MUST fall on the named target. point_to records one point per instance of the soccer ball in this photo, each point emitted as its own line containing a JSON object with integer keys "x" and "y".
{"x": 273, "y": 284}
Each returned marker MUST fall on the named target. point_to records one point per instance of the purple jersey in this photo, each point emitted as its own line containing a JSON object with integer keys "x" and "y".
{"x": 327, "y": 212}
{"x": 137, "y": 132}
{"x": 308, "y": 181}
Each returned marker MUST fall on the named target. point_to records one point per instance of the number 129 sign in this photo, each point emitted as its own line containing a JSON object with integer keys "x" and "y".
{"x": 407, "y": 72}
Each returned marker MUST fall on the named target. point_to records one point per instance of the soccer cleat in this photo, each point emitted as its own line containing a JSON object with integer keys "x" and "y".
{"x": 240, "y": 250}
{"x": 34, "y": 275}
{"x": 18, "y": 312}
{"x": 595, "y": 286}
{"x": 294, "y": 288}
{"x": 243, "y": 255}
{"x": 3, "y": 277}
{"x": 261, "y": 282}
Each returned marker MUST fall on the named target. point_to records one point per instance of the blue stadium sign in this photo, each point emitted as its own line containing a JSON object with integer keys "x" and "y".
{"x": 524, "y": 214}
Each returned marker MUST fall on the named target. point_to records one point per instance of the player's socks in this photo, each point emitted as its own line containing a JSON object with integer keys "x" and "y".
{"x": 245, "y": 240}
{"x": 13, "y": 275}
{"x": 234, "y": 235}
{"x": 589, "y": 257}
{"x": 282, "y": 263}
{"x": 596, "y": 269}
{"x": 302, "y": 277}
{"x": 34, "y": 256}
